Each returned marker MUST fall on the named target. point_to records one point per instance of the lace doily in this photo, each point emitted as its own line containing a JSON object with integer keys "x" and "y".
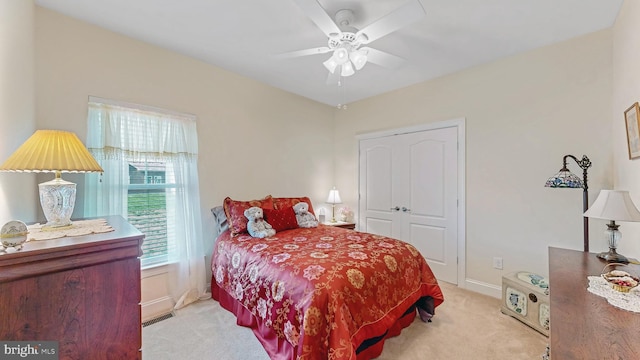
{"x": 77, "y": 228}
{"x": 627, "y": 301}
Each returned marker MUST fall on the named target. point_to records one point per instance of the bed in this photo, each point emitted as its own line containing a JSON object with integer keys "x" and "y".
{"x": 318, "y": 293}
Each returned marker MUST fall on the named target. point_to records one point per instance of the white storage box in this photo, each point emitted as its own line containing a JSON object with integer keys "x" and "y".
{"x": 525, "y": 296}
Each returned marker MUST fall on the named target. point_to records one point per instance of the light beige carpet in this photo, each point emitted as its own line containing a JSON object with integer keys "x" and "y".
{"x": 467, "y": 326}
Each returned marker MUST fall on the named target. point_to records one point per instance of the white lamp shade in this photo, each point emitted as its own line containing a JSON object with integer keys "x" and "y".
{"x": 330, "y": 64}
{"x": 613, "y": 205}
{"x": 334, "y": 197}
{"x": 341, "y": 55}
{"x": 359, "y": 58}
{"x": 347, "y": 69}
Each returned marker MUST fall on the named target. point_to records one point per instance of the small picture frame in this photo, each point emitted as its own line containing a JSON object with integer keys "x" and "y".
{"x": 632, "y": 120}
{"x": 321, "y": 215}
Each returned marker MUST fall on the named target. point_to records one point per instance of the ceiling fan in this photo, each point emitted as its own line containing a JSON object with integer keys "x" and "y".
{"x": 346, "y": 42}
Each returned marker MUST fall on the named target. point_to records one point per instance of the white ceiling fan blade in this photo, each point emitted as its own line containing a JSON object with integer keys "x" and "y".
{"x": 401, "y": 17}
{"x": 382, "y": 58}
{"x": 305, "y": 52}
{"x": 320, "y": 17}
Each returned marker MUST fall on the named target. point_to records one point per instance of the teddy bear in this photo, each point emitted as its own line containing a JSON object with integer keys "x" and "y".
{"x": 303, "y": 216}
{"x": 256, "y": 225}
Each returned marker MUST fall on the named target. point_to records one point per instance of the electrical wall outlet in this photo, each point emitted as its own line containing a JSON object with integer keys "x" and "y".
{"x": 497, "y": 263}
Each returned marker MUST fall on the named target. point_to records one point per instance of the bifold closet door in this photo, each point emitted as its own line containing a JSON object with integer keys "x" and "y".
{"x": 408, "y": 190}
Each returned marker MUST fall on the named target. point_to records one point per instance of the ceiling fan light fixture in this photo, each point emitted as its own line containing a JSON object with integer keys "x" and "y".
{"x": 347, "y": 69}
{"x": 345, "y": 40}
{"x": 331, "y": 65}
{"x": 359, "y": 58}
{"x": 341, "y": 56}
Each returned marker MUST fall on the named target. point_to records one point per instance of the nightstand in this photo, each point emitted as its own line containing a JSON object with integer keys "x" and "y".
{"x": 342, "y": 224}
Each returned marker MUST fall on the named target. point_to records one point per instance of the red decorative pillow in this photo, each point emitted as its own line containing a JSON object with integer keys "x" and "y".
{"x": 234, "y": 210}
{"x": 282, "y": 203}
{"x": 280, "y": 220}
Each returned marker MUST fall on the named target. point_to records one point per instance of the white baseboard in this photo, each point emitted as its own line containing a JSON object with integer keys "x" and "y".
{"x": 156, "y": 307}
{"x": 484, "y": 288}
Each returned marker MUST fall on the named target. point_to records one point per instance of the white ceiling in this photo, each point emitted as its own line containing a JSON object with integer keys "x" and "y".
{"x": 243, "y": 36}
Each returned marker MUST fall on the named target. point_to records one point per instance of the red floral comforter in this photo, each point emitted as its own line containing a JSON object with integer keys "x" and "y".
{"x": 321, "y": 293}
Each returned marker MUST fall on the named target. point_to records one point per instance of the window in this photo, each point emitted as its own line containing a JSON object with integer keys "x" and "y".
{"x": 150, "y": 161}
{"x": 147, "y": 197}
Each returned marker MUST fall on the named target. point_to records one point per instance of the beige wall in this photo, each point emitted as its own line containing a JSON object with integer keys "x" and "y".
{"x": 523, "y": 113}
{"x": 18, "y": 192}
{"x": 626, "y": 91}
{"x": 253, "y": 139}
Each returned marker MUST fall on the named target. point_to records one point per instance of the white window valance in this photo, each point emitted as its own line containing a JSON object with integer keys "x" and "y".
{"x": 139, "y": 134}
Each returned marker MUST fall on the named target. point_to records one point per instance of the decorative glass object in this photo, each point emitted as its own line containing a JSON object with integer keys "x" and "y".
{"x": 345, "y": 214}
{"x": 58, "y": 198}
{"x": 14, "y": 234}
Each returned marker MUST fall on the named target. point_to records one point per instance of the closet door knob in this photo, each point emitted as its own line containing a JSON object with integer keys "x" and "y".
{"x": 395, "y": 209}
{"x": 404, "y": 209}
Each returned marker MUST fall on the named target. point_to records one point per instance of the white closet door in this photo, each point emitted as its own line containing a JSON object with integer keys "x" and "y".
{"x": 430, "y": 189}
{"x": 378, "y": 187}
{"x": 408, "y": 190}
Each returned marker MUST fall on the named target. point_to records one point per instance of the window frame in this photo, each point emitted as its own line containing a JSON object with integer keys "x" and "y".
{"x": 157, "y": 260}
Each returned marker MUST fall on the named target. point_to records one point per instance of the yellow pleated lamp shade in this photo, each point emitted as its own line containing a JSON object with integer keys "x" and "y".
{"x": 52, "y": 151}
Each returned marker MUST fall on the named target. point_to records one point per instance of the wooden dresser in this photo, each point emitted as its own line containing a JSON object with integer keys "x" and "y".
{"x": 584, "y": 325}
{"x": 83, "y": 292}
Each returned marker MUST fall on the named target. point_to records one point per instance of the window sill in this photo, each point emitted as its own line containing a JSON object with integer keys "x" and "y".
{"x": 156, "y": 269}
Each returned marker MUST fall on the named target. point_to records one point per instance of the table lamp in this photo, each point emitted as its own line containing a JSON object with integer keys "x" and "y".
{"x": 333, "y": 199}
{"x": 613, "y": 205}
{"x": 53, "y": 151}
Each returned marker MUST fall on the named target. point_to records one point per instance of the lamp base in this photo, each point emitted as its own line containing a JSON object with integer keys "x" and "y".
{"x": 613, "y": 256}
{"x": 58, "y": 198}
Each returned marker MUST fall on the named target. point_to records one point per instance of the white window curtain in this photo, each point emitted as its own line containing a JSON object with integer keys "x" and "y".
{"x": 121, "y": 133}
